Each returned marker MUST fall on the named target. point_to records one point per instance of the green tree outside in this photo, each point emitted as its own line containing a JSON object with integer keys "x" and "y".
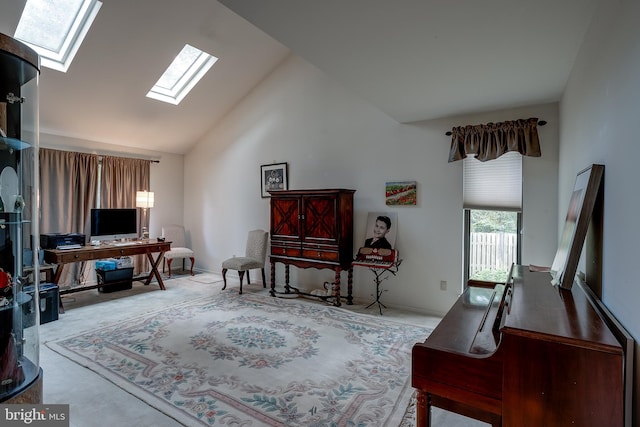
{"x": 489, "y": 221}
{"x": 494, "y": 222}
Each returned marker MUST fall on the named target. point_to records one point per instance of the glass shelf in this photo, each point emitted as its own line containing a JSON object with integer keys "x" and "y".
{"x": 20, "y": 376}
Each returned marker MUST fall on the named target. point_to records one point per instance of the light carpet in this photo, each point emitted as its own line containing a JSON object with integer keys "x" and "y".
{"x": 253, "y": 360}
{"x": 206, "y": 278}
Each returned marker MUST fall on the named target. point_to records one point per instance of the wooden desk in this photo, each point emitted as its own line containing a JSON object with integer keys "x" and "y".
{"x": 89, "y": 253}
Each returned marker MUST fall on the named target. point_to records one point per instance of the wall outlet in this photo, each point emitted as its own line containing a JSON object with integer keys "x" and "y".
{"x": 443, "y": 285}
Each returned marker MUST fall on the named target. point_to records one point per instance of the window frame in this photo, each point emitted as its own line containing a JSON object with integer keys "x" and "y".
{"x": 467, "y": 239}
{"x": 78, "y": 28}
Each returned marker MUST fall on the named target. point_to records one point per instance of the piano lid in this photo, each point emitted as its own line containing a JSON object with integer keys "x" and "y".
{"x": 560, "y": 314}
{"x": 467, "y": 328}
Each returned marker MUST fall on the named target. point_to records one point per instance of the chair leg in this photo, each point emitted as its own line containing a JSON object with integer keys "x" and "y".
{"x": 224, "y": 278}
{"x": 169, "y": 267}
{"x": 193, "y": 261}
{"x": 264, "y": 281}
{"x": 163, "y": 261}
{"x": 248, "y": 278}
{"x": 241, "y": 274}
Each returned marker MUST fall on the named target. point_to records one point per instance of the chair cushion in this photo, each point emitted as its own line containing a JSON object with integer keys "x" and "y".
{"x": 241, "y": 263}
{"x": 178, "y": 253}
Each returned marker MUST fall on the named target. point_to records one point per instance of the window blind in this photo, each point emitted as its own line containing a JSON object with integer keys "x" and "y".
{"x": 495, "y": 184}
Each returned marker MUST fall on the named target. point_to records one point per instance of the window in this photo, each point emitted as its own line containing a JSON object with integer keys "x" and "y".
{"x": 492, "y": 217}
{"x": 56, "y": 29}
{"x": 185, "y": 71}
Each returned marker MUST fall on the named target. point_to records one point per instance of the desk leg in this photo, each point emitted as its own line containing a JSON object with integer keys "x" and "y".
{"x": 154, "y": 270}
{"x": 56, "y": 276}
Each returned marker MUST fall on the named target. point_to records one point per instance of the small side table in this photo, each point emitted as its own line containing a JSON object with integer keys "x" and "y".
{"x": 382, "y": 264}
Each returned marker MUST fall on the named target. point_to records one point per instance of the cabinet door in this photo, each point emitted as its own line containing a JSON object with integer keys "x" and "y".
{"x": 320, "y": 223}
{"x": 285, "y": 218}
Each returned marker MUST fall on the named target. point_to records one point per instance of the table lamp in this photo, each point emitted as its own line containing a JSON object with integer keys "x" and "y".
{"x": 144, "y": 200}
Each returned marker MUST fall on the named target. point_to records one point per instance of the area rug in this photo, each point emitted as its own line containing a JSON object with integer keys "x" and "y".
{"x": 206, "y": 278}
{"x": 253, "y": 360}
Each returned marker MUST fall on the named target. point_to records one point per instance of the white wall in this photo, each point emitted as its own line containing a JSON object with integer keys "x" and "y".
{"x": 600, "y": 111}
{"x": 331, "y": 139}
{"x": 166, "y": 176}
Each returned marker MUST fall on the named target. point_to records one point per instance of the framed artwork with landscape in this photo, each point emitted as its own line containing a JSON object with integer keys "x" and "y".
{"x": 273, "y": 177}
{"x": 401, "y": 193}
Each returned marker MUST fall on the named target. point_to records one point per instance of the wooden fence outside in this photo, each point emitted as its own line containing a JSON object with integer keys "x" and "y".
{"x": 492, "y": 251}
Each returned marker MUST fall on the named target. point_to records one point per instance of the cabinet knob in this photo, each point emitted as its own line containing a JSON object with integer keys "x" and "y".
{"x": 284, "y": 251}
{"x": 318, "y": 253}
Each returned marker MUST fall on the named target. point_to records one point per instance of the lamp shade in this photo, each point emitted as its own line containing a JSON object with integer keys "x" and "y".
{"x": 144, "y": 199}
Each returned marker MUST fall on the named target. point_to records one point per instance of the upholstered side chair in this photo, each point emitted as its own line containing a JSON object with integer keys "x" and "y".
{"x": 175, "y": 234}
{"x": 255, "y": 255}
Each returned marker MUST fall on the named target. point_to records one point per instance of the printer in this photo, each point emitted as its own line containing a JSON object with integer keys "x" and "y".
{"x": 55, "y": 240}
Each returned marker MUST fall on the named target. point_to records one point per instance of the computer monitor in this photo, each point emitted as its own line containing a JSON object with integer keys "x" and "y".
{"x": 114, "y": 224}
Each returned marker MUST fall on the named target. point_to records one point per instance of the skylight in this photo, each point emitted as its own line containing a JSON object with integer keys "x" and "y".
{"x": 185, "y": 71}
{"x": 56, "y": 29}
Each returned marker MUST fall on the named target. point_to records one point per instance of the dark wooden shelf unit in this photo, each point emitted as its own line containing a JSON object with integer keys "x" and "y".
{"x": 313, "y": 229}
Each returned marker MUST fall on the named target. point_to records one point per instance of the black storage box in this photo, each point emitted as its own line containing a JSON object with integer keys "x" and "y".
{"x": 49, "y": 302}
{"x": 115, "y": 280}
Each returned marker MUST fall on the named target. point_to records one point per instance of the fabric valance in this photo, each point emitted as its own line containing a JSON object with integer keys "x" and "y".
{"x": 490, "y": 141}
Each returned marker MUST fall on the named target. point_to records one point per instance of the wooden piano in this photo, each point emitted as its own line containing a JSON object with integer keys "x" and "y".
{"x": 527, "y": 353}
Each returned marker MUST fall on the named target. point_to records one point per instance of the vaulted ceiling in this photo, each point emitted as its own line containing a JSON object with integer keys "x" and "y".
{"x": 413, "y": 59}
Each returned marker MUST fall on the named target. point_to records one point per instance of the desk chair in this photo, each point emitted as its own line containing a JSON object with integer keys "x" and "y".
{"x": 175, "y": 234}
{"x": 255, "y": 255}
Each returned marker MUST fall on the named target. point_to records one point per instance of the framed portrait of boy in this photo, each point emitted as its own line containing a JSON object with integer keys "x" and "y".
{"x": 381, "y": 230}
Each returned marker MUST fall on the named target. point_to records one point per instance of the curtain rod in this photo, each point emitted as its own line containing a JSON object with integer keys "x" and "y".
{"x": 125, "y": 157}
{"x": 540, "y": 123}
{"x": 99, "y": 153}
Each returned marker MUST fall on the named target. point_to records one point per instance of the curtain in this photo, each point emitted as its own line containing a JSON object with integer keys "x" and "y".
{"x": 121, "y": 178}
{"x": 68, "y": 187}
{"x": 490, "y": 141}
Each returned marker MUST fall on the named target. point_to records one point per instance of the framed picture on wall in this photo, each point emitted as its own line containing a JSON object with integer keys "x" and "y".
{"x": 581, "y": 204}
{"x": 273, "y": 177}
{"x": 401, "y": 193}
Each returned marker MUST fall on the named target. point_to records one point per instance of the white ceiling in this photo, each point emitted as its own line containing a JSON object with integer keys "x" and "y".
{"x": 413, "y": 59}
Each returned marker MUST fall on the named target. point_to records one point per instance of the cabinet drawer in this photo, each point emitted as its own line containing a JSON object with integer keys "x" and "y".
{"x": 285, "y": 251}
{"x": 74, "y": 256}
{"x": 320, "y": 254}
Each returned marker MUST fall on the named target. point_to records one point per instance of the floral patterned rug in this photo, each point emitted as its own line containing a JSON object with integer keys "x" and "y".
{"x": 253, "y": 360}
